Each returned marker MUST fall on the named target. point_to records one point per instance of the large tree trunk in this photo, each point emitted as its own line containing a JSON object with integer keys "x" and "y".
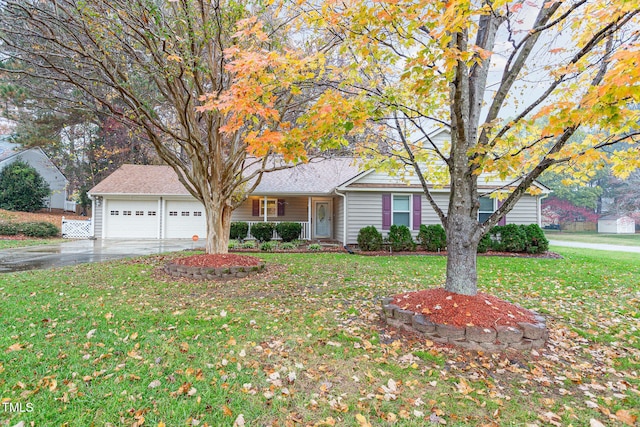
{"x": 218, "y": 226}
{"x": 462, "y": 248}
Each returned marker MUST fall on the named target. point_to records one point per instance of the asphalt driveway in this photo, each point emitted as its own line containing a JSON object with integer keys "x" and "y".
{"x": 85, "y": 251}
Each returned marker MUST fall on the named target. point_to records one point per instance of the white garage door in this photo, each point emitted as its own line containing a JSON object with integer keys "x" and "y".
{"x": 184, "y": 220}
{"x": 131, "y": 219}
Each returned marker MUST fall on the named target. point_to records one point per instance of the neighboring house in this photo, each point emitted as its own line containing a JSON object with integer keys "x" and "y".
{"x": 619, "y": 224}
{"x": 333, "y": 199}
{"x": 36, "y": 158}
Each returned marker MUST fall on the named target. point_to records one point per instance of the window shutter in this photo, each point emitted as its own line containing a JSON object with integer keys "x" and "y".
{"x": 386, "y": 211}
{"x": 281, "y": 207}
{"x": 417, "y": 211}
{"x": 503, "y": 220}
{"x": 255, "y": 208}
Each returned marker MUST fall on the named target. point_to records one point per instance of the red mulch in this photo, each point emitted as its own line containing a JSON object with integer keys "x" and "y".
{"x": 444, "y": 307}
{"x": 218, "y": 260}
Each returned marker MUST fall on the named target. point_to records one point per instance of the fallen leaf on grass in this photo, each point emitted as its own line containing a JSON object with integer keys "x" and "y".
{"x": 626, "y": 417}
{"x": 91, "y": 333}
{"x": 15, "y": 347}
{"x": 154, "y": 384}
{"x": 595, "y": 423}
{"x": 239, "y": 422}
{"x": 362, "y": 421}
{"x": 226, "y": 411}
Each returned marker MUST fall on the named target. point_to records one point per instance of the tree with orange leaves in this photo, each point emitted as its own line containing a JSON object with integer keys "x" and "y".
{"x": 223, "y": 96}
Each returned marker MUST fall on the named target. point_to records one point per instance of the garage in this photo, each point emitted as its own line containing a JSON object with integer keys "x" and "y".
{"x": 131, "y": 219}
{"x": 184, "y": 219}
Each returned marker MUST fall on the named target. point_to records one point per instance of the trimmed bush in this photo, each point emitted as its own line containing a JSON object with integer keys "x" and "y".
{"x": 314, "y": 247}
{"x": 484, "y": 244}
{"x": 268, "y": 246}
{"x": 38, "y": 229}
{"x": 22, "y": 188}
{"x": 8, "y": 229}
{"x": 288, "y": 246}
{"x": 239, "y": 230}
{"x": 263, "y": 231}
{"x": 508, "y": 238}
{"x": 289, "y": 231}
{"x": 432, "y": 237}
{"x": 400, "y": 238}
{"x": 369, "y": 239}
{"x": 537, "y": 242}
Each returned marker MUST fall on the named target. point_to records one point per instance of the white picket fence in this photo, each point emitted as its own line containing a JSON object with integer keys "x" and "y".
{"x": 76, "y": 229}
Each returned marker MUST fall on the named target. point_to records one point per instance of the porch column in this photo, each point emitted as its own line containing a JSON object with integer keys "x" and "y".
{"x": 309, "y": 217}
{"x": 265, "y": 209}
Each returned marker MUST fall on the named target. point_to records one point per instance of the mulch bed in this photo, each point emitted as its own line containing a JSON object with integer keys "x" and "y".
{"x": 447, "y": 308}
{"x": 218, "y": 260}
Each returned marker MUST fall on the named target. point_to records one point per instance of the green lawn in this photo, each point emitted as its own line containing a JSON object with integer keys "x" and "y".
{"x": 302, "y": 345}
{"x": 610, "y": 239}
{"x": 8, "y": 244}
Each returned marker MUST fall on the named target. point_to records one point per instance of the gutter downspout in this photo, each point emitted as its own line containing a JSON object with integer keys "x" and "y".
{"x": 344, "y": 219}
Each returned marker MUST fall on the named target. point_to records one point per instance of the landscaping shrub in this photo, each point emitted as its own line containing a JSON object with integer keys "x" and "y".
{"x": 508, "y": 238}
{"x": 248, "y": 245}
{"x": 432, "y": 237}
{"x": 22, "y": 188}
{"x": 239, "y": 230}
{"x": 369, "y": 239}
{"x": 314, "y": 247}
{"x": 288, "y": 246}
{"x": 233, "y": 244}
{"x": 289, "y": 231}
{"x": 400, "y": 238}
{"x": 268, "y": 246}
{"x": 38, "y": 229}
{"x": 8, "y": 229}
{"x": 537, "y": 242}
{"x": 484, "y": 244}
{"x": 263, "y": 231}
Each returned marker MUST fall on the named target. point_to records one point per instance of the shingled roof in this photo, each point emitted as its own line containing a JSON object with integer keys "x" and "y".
{"x": 318, "y": 177}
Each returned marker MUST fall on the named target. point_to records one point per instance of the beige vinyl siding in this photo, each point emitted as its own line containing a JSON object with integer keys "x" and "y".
{"x": 97, "y": 217}
{"x": 363, "y": 209}
{"x": 524, "y": 212}
{"x": 295, "y": 210}
{"x": 429, "y": 216}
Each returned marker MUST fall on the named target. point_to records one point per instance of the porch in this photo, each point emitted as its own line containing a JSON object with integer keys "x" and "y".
{"x": 318, "y": 215}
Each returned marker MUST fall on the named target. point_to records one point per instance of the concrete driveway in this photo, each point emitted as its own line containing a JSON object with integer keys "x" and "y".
{"x": 596, "y": 246}
{"x": 84, "y": 251}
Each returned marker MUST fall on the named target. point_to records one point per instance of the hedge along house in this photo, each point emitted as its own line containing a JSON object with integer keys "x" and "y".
{"x": 332, "y": 199}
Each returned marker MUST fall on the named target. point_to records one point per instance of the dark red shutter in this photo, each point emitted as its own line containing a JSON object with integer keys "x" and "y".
{"x": 281, "y": 207}
{"x": 503, "y": 220}
{"x": 386, "y": 211}
{"x": 417, "y": 211}
{"x": 255, "y": 208}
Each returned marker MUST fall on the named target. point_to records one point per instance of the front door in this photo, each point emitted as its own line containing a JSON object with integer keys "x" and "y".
{"x": 322, "y": 227}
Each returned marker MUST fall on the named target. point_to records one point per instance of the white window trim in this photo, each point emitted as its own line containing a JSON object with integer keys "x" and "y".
{"x": 410, "y": 211}
{"x": 267, "y": 214}
{"x": 486, "y": 212}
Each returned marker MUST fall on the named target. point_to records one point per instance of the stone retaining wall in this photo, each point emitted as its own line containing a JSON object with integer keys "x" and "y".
{"x": 525, "y": 336}
{"x": 178, "y": 270}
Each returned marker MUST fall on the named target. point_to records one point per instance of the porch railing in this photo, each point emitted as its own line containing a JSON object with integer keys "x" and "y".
{"x": 305, "y": 234}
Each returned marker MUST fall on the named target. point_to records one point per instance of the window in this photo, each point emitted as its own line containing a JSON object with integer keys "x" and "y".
{"x": 401, "y": 211}
{"x": 487, "y": 207}
{"x": 197, "y": 213}
{"x": 114, "y": 213}
{"x": 185, "y": 213}
{"x": 173, "y": 213}
{"x": 126, "y": 213}
{"x": 272, "y": 207}
{"x": 151, "y": 213}
{"x": 139, "y": 213}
